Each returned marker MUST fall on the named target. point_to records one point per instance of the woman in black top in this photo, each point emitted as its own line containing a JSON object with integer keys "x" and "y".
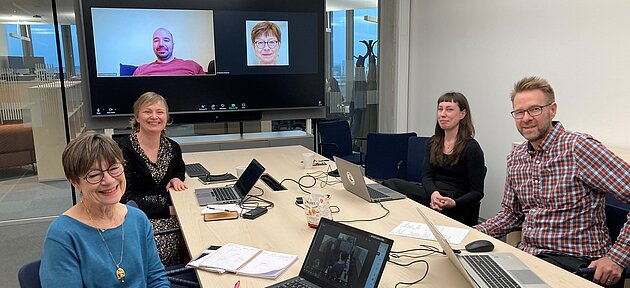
{"x": 454, "y": 171}
{"x": 153, "y": 165}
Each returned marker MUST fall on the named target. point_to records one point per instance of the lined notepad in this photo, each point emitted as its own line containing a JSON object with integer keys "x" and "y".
{"x": 248, "y": 261}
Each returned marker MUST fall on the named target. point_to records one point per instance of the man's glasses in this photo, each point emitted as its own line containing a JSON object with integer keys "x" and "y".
{"x": 96, "y": 176}
{"x": 532, "y": 111}
{"x": 271, "y": 44}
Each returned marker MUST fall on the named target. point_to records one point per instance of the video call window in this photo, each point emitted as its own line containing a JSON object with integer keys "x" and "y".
{"x": 153, "y": 42}
{"x": 268, "y": 43}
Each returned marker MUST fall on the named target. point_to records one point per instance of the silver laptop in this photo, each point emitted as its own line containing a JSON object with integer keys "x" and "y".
{"x": 353, "y": 181}
{"x": 488, "y": 269}
{"x": 232, "y": 194}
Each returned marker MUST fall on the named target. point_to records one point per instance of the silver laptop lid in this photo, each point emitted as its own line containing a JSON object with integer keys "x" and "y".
{"x": 448, "y": 250}
{"x": 352, "y": 178}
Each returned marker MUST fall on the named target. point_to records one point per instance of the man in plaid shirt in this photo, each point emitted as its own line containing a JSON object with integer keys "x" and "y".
{"x": 555, "y": 189}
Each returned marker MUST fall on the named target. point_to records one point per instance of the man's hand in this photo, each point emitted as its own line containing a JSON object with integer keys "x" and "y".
{"x": 176, "y": 184}
{"x": 439, "y": 202}
{"x": 607, "y": 272}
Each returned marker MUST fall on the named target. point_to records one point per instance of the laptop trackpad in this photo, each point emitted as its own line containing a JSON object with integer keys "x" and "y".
{"x": 526, "y": 277}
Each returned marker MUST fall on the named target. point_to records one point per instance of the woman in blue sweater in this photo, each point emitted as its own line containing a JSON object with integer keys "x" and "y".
{"x": 99, "y": 242}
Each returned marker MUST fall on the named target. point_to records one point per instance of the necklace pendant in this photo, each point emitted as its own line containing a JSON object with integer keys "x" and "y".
{"x": 120, "y": 274}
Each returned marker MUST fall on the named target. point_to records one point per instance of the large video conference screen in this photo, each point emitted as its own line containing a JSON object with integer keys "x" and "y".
{"x": 204, "y": 56}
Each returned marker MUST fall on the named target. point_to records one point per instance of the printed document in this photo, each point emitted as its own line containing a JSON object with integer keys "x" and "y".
{"x": 421, "y": 231}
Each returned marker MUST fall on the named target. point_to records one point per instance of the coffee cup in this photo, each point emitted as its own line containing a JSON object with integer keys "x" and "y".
{"x": 240, "y": 170}
{"x": 307, "y": 159}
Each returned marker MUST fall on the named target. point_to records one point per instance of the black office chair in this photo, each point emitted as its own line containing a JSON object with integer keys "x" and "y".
{"x": 410, "y": 169}
{"x": 179, "y": 275}
{"x": 384, "y": 152}
{"x": 616, "y": 216}
{"x": 28, "y": 275}
{"x": 335, "y": 140}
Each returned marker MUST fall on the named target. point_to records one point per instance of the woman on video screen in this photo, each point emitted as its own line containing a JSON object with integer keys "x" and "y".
{"x": 266, "y": 39}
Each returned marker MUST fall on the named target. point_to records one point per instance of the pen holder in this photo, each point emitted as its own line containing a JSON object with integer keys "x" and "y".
{"x": 316, "y": 206}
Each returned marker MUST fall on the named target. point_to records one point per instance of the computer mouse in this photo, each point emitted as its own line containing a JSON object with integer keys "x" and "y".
{"x": 479, "y": 246}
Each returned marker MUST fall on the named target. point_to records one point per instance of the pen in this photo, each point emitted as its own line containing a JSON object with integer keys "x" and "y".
{"x": 219, "y": 209}
{"x": 237, "y": 284}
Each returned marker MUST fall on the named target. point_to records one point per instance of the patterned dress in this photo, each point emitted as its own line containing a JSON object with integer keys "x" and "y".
{"x": 168, "y": 244}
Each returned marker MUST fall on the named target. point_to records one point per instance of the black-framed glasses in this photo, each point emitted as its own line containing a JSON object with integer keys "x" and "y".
{"x": 271, "y": 44}
{"x": 96, "y": 176}
{"x": 532, "y": 111}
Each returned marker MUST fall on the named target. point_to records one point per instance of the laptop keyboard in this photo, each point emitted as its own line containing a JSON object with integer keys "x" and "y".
{"x": 375, "y": 194}
{"x": 295, "y": 283}
{"x": 490, "y": 271}
{"x": 223, "y": 193}
{"x": 196, "y": 170}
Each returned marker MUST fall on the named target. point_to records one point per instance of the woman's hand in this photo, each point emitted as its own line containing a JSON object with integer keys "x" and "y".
{"x": 439, "y": 202}
{"x": 176, "y": 184}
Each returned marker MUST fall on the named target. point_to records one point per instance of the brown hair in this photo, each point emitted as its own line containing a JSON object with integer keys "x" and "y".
{"x": 465, "y": 132}
{"x": 89, "y": 148}
{"x": 533, "y": 83}
{"x": 264, "y": 28}
{"x": 147, "y": 98}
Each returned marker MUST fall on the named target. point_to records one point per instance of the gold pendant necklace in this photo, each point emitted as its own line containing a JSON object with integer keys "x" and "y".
{"x": 120, "y": 272}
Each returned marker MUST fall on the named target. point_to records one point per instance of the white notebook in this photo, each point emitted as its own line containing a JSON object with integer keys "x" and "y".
{"x": 248, "y": 261}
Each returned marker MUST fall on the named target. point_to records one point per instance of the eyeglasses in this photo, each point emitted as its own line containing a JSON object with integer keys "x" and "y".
{"x": 271, "y": 44}
{"x": 532, "y": 111}
{"x": 96, "y": 176}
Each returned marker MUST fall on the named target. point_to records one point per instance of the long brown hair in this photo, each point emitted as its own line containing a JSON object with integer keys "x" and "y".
{"x": 465, "y": 132}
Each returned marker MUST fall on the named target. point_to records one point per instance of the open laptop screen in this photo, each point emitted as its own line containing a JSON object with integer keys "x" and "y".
{"x": 249, "y": 177}
{"x": 344, "y": 256}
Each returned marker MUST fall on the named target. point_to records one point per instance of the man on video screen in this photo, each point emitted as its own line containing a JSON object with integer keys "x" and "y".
{"x": 166, "y": 63}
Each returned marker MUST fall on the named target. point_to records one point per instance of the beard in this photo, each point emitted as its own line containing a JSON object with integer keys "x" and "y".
{"x": 537, "y": 135}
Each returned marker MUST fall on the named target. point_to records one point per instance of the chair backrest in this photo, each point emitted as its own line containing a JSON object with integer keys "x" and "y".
{"x": 127, "y": 70}
{"x": 616, "y": 216}
{"x": 335, "y": 138}
{"x": 28, "y": 275}
{"x": 416, "y": 151}
{"x": 384, "y": 152}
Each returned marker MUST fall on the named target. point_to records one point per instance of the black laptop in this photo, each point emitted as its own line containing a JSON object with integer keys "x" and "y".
{"x": 235, "y": 193}
{"x": 342, "y": 256}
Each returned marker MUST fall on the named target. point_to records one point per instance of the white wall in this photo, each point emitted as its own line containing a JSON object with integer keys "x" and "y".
{"x": 482, "y": 47}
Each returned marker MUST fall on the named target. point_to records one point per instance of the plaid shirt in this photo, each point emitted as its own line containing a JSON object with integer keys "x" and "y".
{"x": 557, "y": 194}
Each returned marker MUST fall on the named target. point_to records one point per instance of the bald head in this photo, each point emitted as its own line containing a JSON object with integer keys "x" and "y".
{"x": 163, "y": 45}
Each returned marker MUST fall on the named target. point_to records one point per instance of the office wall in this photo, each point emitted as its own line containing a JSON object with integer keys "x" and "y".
{"x": 482, "y": 47}
{"x": 4, "y": 46}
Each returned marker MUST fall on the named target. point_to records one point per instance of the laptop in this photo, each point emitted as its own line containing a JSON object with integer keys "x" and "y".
{"x": 353, "y": 181}
{"x": 342, "y": 256}
{"x": 479, "y": 268}
{"x": 235, "y": 193}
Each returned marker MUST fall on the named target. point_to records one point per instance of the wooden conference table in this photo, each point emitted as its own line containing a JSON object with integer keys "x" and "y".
{"x": 284, "y": 228}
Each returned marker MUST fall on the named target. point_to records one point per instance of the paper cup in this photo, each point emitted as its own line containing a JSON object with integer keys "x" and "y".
{"x": 240, "y": 170}
{"x": 307, "y": 159}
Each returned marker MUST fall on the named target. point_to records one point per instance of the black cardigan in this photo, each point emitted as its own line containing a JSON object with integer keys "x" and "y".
{"x": 140, "y": 183}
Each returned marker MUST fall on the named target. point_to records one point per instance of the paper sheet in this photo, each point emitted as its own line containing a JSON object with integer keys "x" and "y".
{"x": 268, "y": 265}
{"x": 230, "y": 257}
{"x": 218, "y": 208}
{"x": 421, "y": 231}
